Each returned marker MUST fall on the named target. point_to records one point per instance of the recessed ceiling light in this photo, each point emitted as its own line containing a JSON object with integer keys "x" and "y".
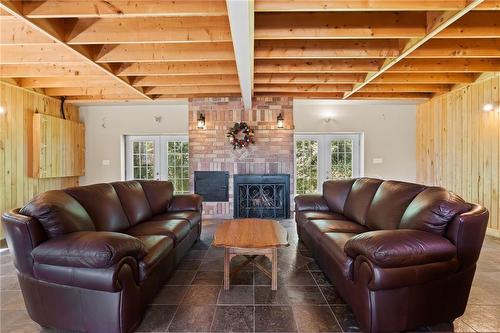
{"x": 2, "y": 110}
{"x": 488, "y": 107}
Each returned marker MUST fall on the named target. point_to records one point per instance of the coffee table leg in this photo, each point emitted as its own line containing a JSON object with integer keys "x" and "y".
{"x": 274, "y": 285}
{"x": 226, "y": 268}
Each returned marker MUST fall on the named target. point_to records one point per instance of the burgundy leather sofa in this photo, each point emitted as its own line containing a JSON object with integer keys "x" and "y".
{"x": 401, "y": 255}
{"x": 91, "y": 258}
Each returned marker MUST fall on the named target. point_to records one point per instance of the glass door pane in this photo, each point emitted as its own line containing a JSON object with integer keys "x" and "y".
{"x": 142, "y": 158}
{"x": 306, "y": 166}
{"x": 341, "y": 159}
{"x": 178, "y": 164}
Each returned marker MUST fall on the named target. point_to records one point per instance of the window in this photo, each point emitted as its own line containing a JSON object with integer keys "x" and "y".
{"x": 159, "y": 157}
{"x": 319, "y": 157}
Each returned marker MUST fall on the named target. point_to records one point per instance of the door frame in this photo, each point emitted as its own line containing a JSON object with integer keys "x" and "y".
{"x": 323, "y": 153}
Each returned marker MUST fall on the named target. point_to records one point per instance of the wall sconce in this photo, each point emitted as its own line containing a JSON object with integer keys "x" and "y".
{"x": 201, "y": 121}
{"x": 488, "y": 107}
{"x": 280, "y": 121}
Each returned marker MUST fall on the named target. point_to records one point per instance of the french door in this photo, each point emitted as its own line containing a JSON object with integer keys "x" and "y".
{"x": 319, "y": 157}
{"x": 158, "y": 157}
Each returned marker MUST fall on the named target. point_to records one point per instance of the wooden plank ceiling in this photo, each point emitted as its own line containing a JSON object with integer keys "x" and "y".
{"x": 138, "y": 50}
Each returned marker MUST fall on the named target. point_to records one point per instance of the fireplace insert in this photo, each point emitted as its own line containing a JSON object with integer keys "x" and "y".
{"x": 262, "y": 196}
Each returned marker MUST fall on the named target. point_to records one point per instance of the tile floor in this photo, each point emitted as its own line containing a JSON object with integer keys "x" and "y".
{"x": 193, "y": 299}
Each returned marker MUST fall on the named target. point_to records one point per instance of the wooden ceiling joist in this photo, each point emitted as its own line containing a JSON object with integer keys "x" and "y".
{"x": 438, "y": 24}
{"x": 177, "y": 68}
{"x": 367, "y": 5}
{"x": 147, "y": 30}
{"x": 194, "y": 90}
{"x": 123, "y": 9}
{"x": 68, "y": 69}
{"x": 186, "y": 80}
{"x": 54, "y": 33}
{"x": 60, "y": 82}
{"x": 166, "y": 52}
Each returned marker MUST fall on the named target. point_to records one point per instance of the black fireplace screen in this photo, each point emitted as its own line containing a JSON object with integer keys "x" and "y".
{"x": 262, "y": 196}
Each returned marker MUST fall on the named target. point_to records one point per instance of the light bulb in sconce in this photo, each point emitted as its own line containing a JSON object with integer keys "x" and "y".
{"x": 488, "y": 107}
{"x": 327, "y": 119}
{"x": 280, "y": 121}
{"x": 201, "y": 121}
{"x": 2, "y": 110}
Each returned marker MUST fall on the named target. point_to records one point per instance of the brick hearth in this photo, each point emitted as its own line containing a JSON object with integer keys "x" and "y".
{"x": 210, "y": 150}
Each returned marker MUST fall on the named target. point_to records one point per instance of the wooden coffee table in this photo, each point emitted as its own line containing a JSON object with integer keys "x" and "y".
{"x": 251, "y": 238}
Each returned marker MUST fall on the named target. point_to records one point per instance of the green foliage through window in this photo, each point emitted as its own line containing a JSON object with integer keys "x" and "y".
{"x": 306, "y": 161}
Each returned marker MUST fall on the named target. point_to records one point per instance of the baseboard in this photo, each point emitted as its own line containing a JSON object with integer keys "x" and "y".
{"x": 493, "y": 232}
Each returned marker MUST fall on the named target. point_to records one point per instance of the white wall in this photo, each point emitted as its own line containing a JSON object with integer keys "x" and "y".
{"x": 388, "y": 128}
{"x": 106, "y": 125}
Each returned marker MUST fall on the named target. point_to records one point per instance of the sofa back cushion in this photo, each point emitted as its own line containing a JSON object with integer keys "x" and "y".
{"x": 103, "y": 205}
{"x": 335, "y": 193}
{"x": 432, "y": 210}
{"x": 389, "y": 204}
{"x": 159, "y": 194}
{"x": 359, "y": 199}
{"x": 58, "y": 213}
{"x": 134, "y": 201}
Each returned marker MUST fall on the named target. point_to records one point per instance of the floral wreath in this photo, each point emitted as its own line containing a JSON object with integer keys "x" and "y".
{"x": 240, "y": 141}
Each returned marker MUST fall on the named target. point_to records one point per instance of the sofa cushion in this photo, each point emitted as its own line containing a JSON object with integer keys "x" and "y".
{"x": 91, "y": 249}
{"x": 432, "y": 210}
{"x": 194, "y": 218}
{"x": 333, "y": 243}
{"x": 389, "y": 204}
{"x": 400, "y": 248}
{"x": 103, "y": 205}
{"x": 58, "y": 213}
{"x": 157, "y": 248}
{"x": 336, "y": 226}
{"x": 315, "y": 215}
{"x": 177, "y": 229}
{"x": 335, "y": 193}
{"x": 359, "y": 199}
{"x": 134, "y": 201}
{"x": 159, "y": 194}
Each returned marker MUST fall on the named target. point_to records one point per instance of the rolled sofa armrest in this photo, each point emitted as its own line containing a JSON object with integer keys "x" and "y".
{"x": 88, "y": 249}
{"x": 314, "y": 202}
{"x": 400, "y": 248}
{"x": 186, "y": 202}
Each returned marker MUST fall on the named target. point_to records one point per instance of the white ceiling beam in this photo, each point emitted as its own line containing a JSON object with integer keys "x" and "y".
{"x": 434, "y": 27}
{"x": 241, "y": 21}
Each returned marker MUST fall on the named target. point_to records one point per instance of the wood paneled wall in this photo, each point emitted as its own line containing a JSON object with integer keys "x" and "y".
{"x": 16, "y": 127}
{"x": 458, "y": 145}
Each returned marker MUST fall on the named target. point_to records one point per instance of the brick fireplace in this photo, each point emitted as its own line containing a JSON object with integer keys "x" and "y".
{"x": 210, "y": 150}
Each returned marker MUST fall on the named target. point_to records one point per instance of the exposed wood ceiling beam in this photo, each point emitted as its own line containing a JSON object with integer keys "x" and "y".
{"x": 166, "y": 52}
{"x": 177, "y": 68}
{"x": 347, "y": 87}
{"x": 39, "y": 53}
{"x": 81, "y": 91}
{"x": 186, "y": 90}
{"x": 15, "y": 31}
{"x": 364, "y": 5}
{"x": 339, "y": 95}
{"x": 53, "y": 32}
{"x": 69, "y": 69}
{"x": 68, "y": 81}
{"x": 241, "y": 19}
{"x": 406, "y": 88}
{"x": 147, "y": 30}
{"x": 118, "y": 9}
{"x": 316, "y": 65}
{"x": 186, "y": 80}
{"x": 434, "y": 28}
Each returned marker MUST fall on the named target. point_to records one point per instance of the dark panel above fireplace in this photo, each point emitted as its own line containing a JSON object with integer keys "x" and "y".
{"x": 262, "y": 196}
{"x": 213, "y": 186}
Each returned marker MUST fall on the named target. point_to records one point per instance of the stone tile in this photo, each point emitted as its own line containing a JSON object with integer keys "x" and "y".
{"x": 321, "y": 279}
{"x": 170, "y": 295}
{"x": 201, "y": 295}
{"x": 482, "y": 318}
{"x": 208, "y": 278}
{"x": 274, "y": 318}
{"x": 236, "y": 295}
{"x": 9, "y": 282}
{"x": 157, "y": 318}
{"x": 7, "y": 269}
{"x": 189, "y": 265}
{"x": 192, "y": 318}
{"x": 202, "y": 245}
{"x": 315, "y": 319}
{"x": 12, "y": 300}
{"x": 5, "y": 259}
{"x": 484, "y": 289}
{"x": 212, "y": 264}
{"x": 17, "y": 321}
{"x": 313, "y": 267}
{"x": 215, "y": 252}
{"x": 264, "y": 295}
{"x": 241, "y": 278}
{"x": 298, "y": 279}
{"x": 305, "y": 295}
{"x": 233, "y": 319}
{"x": 195, "y": 254}
{"x": 181, "y": 278}
{"x": 346, "y": 318}
{"x": 331, "y": 295}
{"x": 457, "y": 326}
